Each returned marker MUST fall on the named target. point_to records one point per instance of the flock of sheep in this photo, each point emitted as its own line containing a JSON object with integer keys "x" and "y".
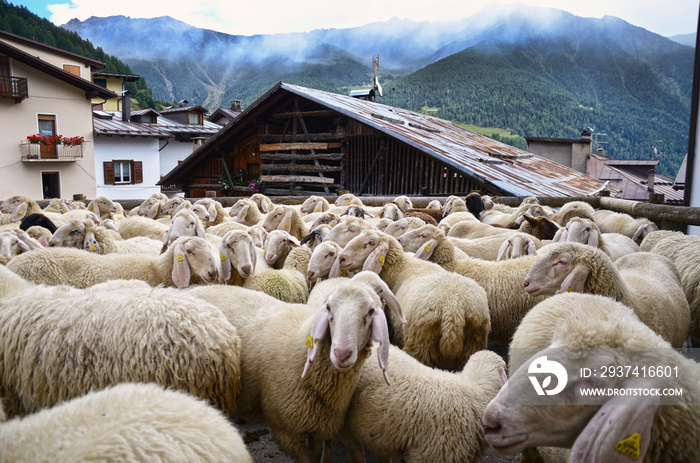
{"x": 137, "y": 335}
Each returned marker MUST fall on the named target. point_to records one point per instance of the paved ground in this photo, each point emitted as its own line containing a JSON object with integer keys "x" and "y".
{"x": 264, "y": 450}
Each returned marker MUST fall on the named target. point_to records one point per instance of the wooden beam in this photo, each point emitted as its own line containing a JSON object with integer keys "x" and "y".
{"x": 299, "y": 167}
{"x": 676, "y": 214}
{"x": 277, "y": 138}
{"x": 301, "y": 157}
{"x": 319, "y": 113}
{"x": 294, "y": 179}
{"x": 266, "y": 148}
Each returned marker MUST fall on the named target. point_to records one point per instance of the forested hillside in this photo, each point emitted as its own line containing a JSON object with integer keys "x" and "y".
{"x": 20, "y": 21}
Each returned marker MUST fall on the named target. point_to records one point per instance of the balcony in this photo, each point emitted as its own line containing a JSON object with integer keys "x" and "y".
{"x": 36, "y": 152}
{"x": 13, "y": 87}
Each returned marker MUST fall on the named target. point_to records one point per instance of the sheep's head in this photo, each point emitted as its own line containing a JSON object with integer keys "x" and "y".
{"x": 16, "y": 242}
{"x": 184, "y": 223}
{"x": 422, "y": 240}
{"x": 327, "y": 218}
{"x": 258, "y": 234}
{"x": 322, "y": 260}
{"x": 515, "y": 246}
{"x": 264, "y": 203}
{"x": 356, "y": 211}
{"x": 348, "y": 199}
{"x": 71, "y": 234}
{"x": 170, "y": 205}
{"x": 150, "y": 208}
{"x": 193, "y": 255}
{"x": 391, "y": 211}
{"x": 16, "y": 206}
{"x": 476, "y": 203}
{"x": 580, "y": 230}
{"x": 367, "y": 251}
{"x": 103, "y": 205}
{"x": 560, "y": 268}
{"x": 237, "y": 251}
{"x": 399, "y": 227}
{"x": 351, "y": 316}
{"x": 274, "y": 219}
{"x": 277, "y": 246}
{"x": 346, "y": 230}
{"x": 314, "y": 204}
{"x": 541, "y": 228}
{"x": 643, "y": 231}
{"x": 404, "y": 202}
{"x": 211, "y": 206}
{"x": 434, "y": 204}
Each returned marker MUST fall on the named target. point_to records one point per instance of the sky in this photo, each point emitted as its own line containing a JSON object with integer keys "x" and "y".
{"x": 237, "y": 17}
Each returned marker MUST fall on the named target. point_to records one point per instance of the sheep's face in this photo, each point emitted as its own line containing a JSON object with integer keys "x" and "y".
{"x": 357, "y": 250}
{"x": 70, "y": 235}
{"x": 147, "y": 207}
{"x": 185, "y": 223}
{"x": 322, "y": 260}
{"x": 413, "y": 239}
{"x": 347, "y": 199}
{"x": 106, "y": 205}
{"x": 238, "y": 247}
{"x": 582, "y": 231}
{"x": 258, "y": 235}
{"x": 201, "y": 259}
{"x": 9, "y": 244}
{"x": 10, "y": 204}
{"x": 344, "y": 231}
{"x": 548, "y": 273}
{"x": 310, "y": 204}
{"x": 273, "y": 219}
{"x": 278, "y": 244}
{"x": 201, "y": 212}
{"x": 391, "y": 211}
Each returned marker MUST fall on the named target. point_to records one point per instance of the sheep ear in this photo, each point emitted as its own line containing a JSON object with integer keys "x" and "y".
{"x": 181, "y": 268}
{"x": 286, "y": 222}
{"x": 318, "y": 332}
{"x": 335, "y": 268}
{"x": 88, "y": 244}
{"x": 426, "y": 250}
{"x": 560, "y": 235}
{"x": 388, "y": 296}
{"x": 225, "y": 262}
{"x": 375, "y": 260}
{"x": 29, "y": 242}
{"x": 593, "y": 239}
{"x": 265, "y": 207}
{"x": 618, "y": 432}
{"x": 502, "y": 250}
{"x": 380, "y": 333}
{"x": 294, "y": 241}
{"x": 199, "y": 230}
{"x": 212, "y": 211}
{"x": 19, "y": 212}
{"x": 319, "y": 206}
{"x": 153, "y": 212}
{"x": 166, "y": 240}
{"x": 575, "y": 281}
{"x": 240, "y": 218}
{"x": 640, "y": 233}
{"x": 253, "y": 257}
{"x": 531, "y": 248}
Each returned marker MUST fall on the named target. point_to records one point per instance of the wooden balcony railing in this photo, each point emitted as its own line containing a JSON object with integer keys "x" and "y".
{"x": 13, "y": 87}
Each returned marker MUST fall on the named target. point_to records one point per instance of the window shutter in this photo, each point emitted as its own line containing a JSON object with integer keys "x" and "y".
{"x": 109, "y": 172}
{"x": 138, "y": 172}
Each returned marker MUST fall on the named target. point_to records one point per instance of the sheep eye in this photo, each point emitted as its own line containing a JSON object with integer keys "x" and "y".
{"x": 372, "y": 243}
{"x": 331, "y": 253}
{"x": 371, "y": 311}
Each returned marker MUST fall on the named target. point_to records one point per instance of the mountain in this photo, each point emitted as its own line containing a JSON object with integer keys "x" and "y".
{"x": 685, "y": 39}
{"x": 536, "y": 71}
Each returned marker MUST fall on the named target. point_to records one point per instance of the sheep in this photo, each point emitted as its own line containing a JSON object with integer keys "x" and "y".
{"x": 653, "y": 238}
{"x": 84, "y": 234}
{"x": 264, "y": 203}
{"x": 151, "y": 208}
{"x": 184, "y": 223}
{"x": 434, "y": 204}
{"x": 646, "y": 282}
{"x": 503, "y": 281}
{"x": 288, "y": 219}
{"x": 399, "y": 227}
{"x": 404, "y": 202}
{"x": 40, "y": 220}
{"x": 585, "y": 231}
{"x": 515, "y": 246}
{"x": 14, "y": 242}
{"x": 325, "y": 218}
{"x": 287, "y": 284}
{"x": 316, "y": 236}
{"x": 427, "y": 415}
{"x": 130, "y": 422}
{"x": 345, "y": 230}
{"x": 257, "y": 234}
{"x": 40, "y": 234}
{"x": 488, "y": 247}
{"x": 223, "y": 228}
{"x": 103, "y": 207}
{"x": 322, "y": 260}
{"x": 356, "y": 211}
{"x": 348, "y": 199}
{"x": 684, "y": 251}
{"x": 314, "y": 204}
{"x": 246, "y": 212}
{"x": 217, "y": 215}
{"x": 300, "y": 363}
{"x": 507, "y": 220}
{"x": 134, "y": 226}
{"x": 19, "y": 206}
{"x": 61, "y": 342}
{"x": 573, "y": 209}
{"x": 278, "y": 244}
{"x": 613, "y": 222}
{"x": 391, "y": 211}
{"x": 172, "y": 204}
{"x": 447, "y": 314}
{"x": 238, "y": 253}
{"x": 542, "y": 228}
{"x": 594, "y": 427}
{"x": 188, "y": 260}
{"x": 472, "y": 204}
{"x": 473, "y": 229}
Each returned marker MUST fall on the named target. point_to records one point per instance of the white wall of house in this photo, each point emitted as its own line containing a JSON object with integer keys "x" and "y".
{"x": 144, "y": 149}
{"x": 73, "y": 114}
{"x": 172, "y": 153}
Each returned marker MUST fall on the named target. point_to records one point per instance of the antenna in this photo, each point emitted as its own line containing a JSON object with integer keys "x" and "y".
{"x": 375, "y": 69}
{"x": 654, "y": 151}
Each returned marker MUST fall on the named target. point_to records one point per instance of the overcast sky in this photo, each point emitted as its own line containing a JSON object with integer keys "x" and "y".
{"x": 665, "y": 17}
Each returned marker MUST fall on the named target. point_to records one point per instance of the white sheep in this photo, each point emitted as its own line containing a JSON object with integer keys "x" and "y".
{"x": 496, "y": 217}
{"x": 596, "y": 428}
{"x": 503, "y": 281}
{"x": 493, "y": 246}
{"x": 573, "y": 209}
{"x": 586, "y": 231}
{"x": 300, "y": 364}
{"x": 61, "y": 342}
{"x": 245, "y": 211}
{"x": 646, "y": 282}
{"x": 653, "y": 238}
{"x": 264, "y": 203}
{"x": 84, "y": 234}
{"x": 129, "y": 422}
{"x": 348, "y": 199}
{"x": 314, "y": 204}
{"x": 427, "y": 414}
{"x": 286, "y": 218}
{"x": 188, "y": 260}
{"x": 404, "y": 202}
{"x": 434, "y": 204}
{"x": 517, "y": 245}
{"x": 614, "y": 222}
{"x": 447, "y": 317}
{"x": 316, "y": 236}
{"x": 238, "y": 253}
{"x": 401, "y": 226}
{"x": 136, "y": 225}
{"x": 172, "y": 204}
{"x": 278, "y": 244}
{"x": 684, "y": 251}
{"x": 323, "y": 257}
{"x": 391, "y": 211}
{"x": 472, "y": 229}
{"x": 216, "y": 212}
{"x": 346, "y": 229}
{"x": 103, "y": 207}
{"x": 258, "y": 235}
{"x": 14, "y": 242}
{"x": 18, "y": 207}
{"x": 151, "y": 207}
{"x": 288, "y": 284}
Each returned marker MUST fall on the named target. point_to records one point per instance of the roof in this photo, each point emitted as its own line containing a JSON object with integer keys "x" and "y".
{"x": 111, "y": 123}
{"x": 224, "y": 113}
{"x": 127, "y": 77}
{"x": 185, "y": 109}
{"x": 94, "y": 64}
{"x": 207, "y": 128}
{"x": 91, "y": 90}
{"x": 632, "y": 176}
{"x": 558, "y": 140}
{"x": 505, "y": 167}
{"x": 680, "y": 177}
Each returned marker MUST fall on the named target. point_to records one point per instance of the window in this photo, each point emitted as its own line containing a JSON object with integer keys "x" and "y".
{"x": 194, "y": 118}
{"x": 75, "y": 70}
{"x": 101, "y": 82}
{"x": 123, "y": 172}
{"x": 146, "y": 119}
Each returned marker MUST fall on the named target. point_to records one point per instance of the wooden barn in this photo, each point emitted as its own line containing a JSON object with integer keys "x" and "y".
{"x": 301, "y": 141}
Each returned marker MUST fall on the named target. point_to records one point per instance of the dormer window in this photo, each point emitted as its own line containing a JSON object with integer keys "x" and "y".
{"x": 146, "y": 119}
{"x": 194, "y": 118}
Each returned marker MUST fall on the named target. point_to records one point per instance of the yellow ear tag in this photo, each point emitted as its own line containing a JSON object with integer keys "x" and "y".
{"x": 286, "y": 225}
{"x": 21, "y": 212}
{"x": 180, "y": 257}
{"x": 243, "y": 213}
{"x": 265, "y": 251}
{"x": 630, "y": 446}
{"x": 309, "y": 342}
{"x": 340, "y": 274}
{"x": 381, "y": 259}
{"x": 65, "y": 210}
{"x": 427, "y": 248}
{"x": 93, "y": 248}
{"x": 223, "y": 256}
{"x": 569, "y": 290}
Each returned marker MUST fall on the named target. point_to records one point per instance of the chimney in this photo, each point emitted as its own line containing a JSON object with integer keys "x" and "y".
{"x": 126, "y": 106}
{"x": 650, "y": 181}
{"x": 587, "y": 133}
{"x": 237, "y": 105}
{"x": 601, "y": 151}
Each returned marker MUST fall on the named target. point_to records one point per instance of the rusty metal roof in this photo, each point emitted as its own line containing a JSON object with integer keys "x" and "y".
{"x": 509, "y": 169}
{"x": 109, "y": 123}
